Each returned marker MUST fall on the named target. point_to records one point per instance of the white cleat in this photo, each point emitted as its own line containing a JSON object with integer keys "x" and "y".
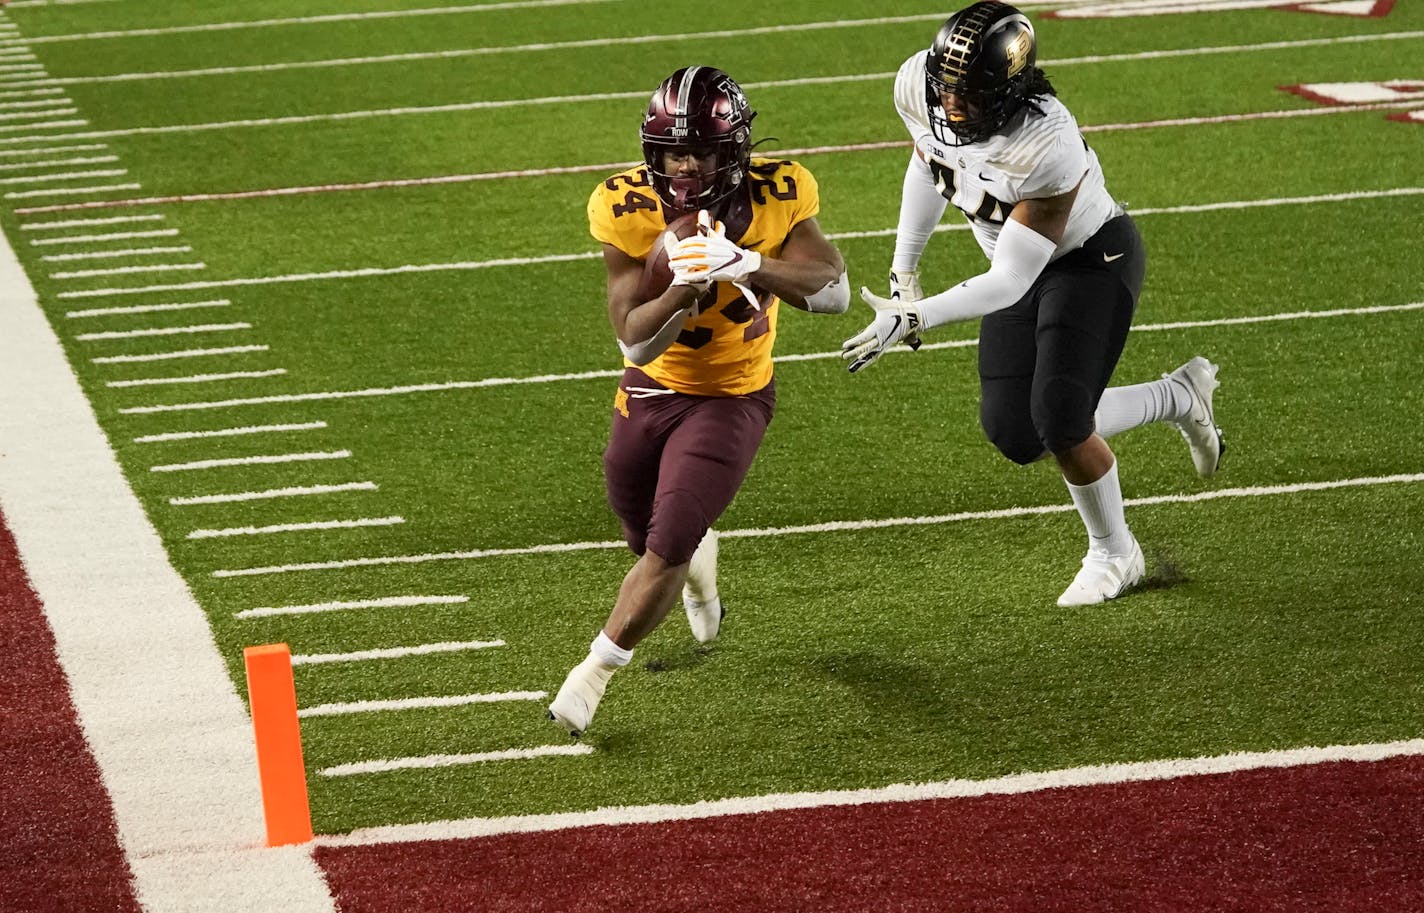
{"x": 1104, "y": 577}
{"x": 705, "y": 619}
{"x": 699, "y": 594}
{"x": 574, "y": 705}
{"x": 1198, "y": 426}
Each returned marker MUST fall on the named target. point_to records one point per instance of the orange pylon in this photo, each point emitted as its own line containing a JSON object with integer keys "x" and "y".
{"x": 273, "y": 697}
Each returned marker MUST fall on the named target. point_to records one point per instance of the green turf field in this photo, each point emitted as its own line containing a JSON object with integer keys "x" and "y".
{"x": 1276, "y": 616}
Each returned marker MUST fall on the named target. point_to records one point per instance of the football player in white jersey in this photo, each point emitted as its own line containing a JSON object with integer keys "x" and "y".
{"x": 1066, "y": 268}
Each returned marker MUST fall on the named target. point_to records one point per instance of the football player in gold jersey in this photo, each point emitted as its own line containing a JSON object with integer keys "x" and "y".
{"x": 697, "y": 392}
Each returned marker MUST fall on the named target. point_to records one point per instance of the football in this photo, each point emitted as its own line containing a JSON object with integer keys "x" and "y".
{"x": 657, "y": 275}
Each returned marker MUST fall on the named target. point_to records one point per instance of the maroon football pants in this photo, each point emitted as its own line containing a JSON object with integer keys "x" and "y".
{"x": 674, "y": 461}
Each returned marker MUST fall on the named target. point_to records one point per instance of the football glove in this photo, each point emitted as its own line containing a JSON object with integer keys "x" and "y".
{"x": 905, "y": 286}
{"x": 895, "y": 321}
{"x": 709, "y": 256}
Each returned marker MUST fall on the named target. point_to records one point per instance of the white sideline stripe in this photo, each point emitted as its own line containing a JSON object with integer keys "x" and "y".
{"x": 419, "y": 703}
{"x": 122, "y": 270}
{"x": 294, "y": 527}
{"x": 451, "y": 760}
{"x": 367, "y": 272}
{"x": 75, "y": 223}
{"x": 380, "y": 603}
{"x": 163, "y": 331}
{"x": 145, "y": 676}
{"x": 292, "y": 492}
{"x": 182, "y": 353}
{"x": 226, "y": 432}
{"x": 111, "y": 236}
{"x": 307, "y": 20}
{"x": 149, "y": 308}
{"x": 253, "y": 460}
{"x": 811, "y": 356}
{"x": 312, "y": 659}
{"x": 66, "y": 191}
{"x": 103, "y": 254}
{"x": 195, "y": 378}
{"x": 832, "y": 526}
{"x": 1013, "y": 784}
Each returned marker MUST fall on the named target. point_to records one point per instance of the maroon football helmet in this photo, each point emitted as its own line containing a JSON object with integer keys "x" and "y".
{"x": 698, "y": 108}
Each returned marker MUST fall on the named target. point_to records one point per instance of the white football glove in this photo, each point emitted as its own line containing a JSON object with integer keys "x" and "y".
{"x": 895, "y": 321}
{"x": 905, "y": 286}
{"x": 709, "y": 256}
{"x": 670, "y": 242}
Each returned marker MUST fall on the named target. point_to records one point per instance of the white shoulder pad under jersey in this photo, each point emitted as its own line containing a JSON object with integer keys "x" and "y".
{"x": 1035, "y": 156}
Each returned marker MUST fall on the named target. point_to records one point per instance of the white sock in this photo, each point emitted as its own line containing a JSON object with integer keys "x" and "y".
{"x": 1124, "y": 408}
{"x": 607, "y": 652}
{"x": 1100, "y": 505}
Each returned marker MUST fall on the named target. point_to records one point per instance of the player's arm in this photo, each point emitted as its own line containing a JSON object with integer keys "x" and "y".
{"x": 810, "y": 273}
{"x": 645, "y": 329}
{"x": 921, "y": 208}
{"x": 1026, "y": 244}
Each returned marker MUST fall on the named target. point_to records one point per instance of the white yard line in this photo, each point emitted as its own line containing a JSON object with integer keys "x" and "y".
{"x": 195, "y": 378}
{"x": 1013, "y": 784}
{"x": 181, "y": 353}
{"x": 827, "y": 527}
{"x": 125, "y": 270}
{"x": 76, "y": 223}
{"x": 360, "y": 656}
{"x": 227, "y": 432}
{"x": 811, "y": 356}
{"x": 267, "y": 494}
{"x": 383, "y": 602}
{"x": 419, "y": 703}
{"x": 108, "y": 254}
{"x": 146, "y": 679}
{"x": 149, "y": 308}
{"x": 367, "y": 272}
{"x": 305, "y": 20}
{"x": 309, "y": 526}
{"x": 341, "y": 116}
{"x": 110, "y": 236}
{"x": 67, "y": 191}
{"x": 448, "y": 760}
{"x": 259, "y": 460}
{"x": 163, "y": 331}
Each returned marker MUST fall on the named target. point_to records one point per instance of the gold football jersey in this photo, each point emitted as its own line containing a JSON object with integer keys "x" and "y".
{"x": 726, "y": 349}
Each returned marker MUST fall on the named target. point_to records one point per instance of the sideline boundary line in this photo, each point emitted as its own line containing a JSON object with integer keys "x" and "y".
{"x": 145, "y": 676}
{"x": 1013, "y": 784}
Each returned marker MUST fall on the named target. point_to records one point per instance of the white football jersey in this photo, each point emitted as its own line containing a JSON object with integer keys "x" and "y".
{"x": 1036, "y": 155}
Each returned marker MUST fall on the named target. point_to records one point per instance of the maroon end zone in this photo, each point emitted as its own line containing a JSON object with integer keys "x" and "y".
{"x": 1343, "y": 836}
{"x": 61, "y": 852}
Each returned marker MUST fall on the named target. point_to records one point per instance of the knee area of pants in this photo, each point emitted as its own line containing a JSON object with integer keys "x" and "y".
{"x": 1063, "y": 414}
{"x": 1016, "y": 440}
{"x": 678, "y": 525}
